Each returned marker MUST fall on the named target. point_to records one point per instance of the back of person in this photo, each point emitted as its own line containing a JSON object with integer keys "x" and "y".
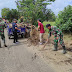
{"x": 55, "y": 30}
{"x": 41, "y": 28}
{"x": 13, "y": 27}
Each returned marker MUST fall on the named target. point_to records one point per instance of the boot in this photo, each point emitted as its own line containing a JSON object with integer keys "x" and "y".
{"x": 55, "y": 47}
{"x": 5, "y": 45}
{"x": 0, "y": 44}
{"x": 64, "y": 50}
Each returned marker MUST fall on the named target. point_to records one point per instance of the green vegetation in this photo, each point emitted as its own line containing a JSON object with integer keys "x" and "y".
{"x": 64, "y": 20}
{"x": 45, "y": 22}
{"x": 9, "y": 14}
{"x": 32, "y": 10}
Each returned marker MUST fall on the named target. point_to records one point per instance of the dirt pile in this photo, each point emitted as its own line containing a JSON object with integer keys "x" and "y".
{"x": 34, "y": 36}
{"x": 10, "y": 25}
{"x": 68, "y": 45}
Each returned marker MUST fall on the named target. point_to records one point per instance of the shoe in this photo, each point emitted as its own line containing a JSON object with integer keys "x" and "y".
{"x": 5, "y": 45}
{"x": 17, "y": 42}
{"x": 64, "y": 52}
{"x": 40, "y": 43}
{"x": 14, "y": 43}
{"x": 55, "y": 47}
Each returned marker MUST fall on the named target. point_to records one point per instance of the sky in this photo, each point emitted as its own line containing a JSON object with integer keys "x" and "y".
{"x": 59, "y": 5}
{"x": 7, "y": 4}
{"x": 56, "y": 6}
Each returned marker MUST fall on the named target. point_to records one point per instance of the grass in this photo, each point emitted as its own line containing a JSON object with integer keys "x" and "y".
{"x": 67, "y": 37}
{"x": 45, "y": 22}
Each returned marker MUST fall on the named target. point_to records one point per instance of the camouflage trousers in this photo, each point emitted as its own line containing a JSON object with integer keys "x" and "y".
{"x": 60, "y": 40}
{"x": 3, "y": 37}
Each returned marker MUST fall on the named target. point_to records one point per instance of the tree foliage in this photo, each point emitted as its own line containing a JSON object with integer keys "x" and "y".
{"x": 49, "y": 15}
{"x": 32, "y": 9}
{"x": 64, "y": 20}
{"x": 9, "y": 14}
{"x": 4, "y": 12}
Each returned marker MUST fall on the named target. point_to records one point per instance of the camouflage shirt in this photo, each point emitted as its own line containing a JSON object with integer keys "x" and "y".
{"x": 2, "y": 25}
{"x": 54, "y": 31}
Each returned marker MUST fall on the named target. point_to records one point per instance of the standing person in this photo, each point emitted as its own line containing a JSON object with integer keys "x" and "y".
{"x": 14, "y": 28}
{"x": 58, "y": 37}
{"x": 41, "y": 28}
{"x": 2, "y": 26}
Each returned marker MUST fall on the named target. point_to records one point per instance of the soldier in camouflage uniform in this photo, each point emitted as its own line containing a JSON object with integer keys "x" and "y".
{"x": 2, "y": 25}
{"x": 58, "y": 37}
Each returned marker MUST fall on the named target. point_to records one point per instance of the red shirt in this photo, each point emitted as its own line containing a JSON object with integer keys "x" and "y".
{"x": 41, "y": 28}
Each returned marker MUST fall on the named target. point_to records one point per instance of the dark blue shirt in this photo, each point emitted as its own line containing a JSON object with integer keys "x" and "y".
{"x": 13, "y": 26}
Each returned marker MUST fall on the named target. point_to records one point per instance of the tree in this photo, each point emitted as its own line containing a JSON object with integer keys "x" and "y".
{"x": 4, "y": 12}
{"x": 64, "y": 19}
{"x": 10, "y": 14}
{"x": 32, "y": 9}
{"x": 49, "y": 15}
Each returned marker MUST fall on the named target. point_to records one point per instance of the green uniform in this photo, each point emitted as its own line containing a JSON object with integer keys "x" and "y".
{"x": 57, "y": 33}
{"x": 2, "y": 25}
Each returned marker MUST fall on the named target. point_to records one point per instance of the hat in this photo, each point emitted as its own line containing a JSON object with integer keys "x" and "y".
{"x": 48, "y": 25}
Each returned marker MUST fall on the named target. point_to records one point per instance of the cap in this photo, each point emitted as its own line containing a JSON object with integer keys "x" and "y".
{"x": 48, "y": 25}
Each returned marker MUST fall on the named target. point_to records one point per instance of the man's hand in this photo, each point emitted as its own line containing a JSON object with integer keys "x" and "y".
{"x": 19, "y": 29}
{"x": 16, "y": 28}
{"x": 38, "y": 28}
{"x": 47, "y": 40}
{"x": 57, "y": 38}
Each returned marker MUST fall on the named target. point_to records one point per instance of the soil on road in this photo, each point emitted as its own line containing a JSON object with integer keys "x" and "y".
{"x": 24, "y": 57}
{"x": 21, "y": 58}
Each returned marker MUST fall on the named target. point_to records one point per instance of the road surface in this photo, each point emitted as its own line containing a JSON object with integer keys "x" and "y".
{"x": 18, "y": 58}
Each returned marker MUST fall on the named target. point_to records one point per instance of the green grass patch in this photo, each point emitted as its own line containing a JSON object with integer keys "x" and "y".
{"x": 45, "y": 22}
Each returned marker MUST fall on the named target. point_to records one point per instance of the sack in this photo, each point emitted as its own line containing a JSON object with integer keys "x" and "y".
{"x": 10, "y": 25}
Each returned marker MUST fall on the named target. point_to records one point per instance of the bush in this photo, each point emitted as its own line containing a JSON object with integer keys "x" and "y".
{"x": 64, "y": 20}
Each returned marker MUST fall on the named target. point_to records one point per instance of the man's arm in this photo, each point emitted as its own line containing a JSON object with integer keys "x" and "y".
{"x": 38, "y": 27}
{"x": 16, "y": 27}
{"x": 49, "y": 35}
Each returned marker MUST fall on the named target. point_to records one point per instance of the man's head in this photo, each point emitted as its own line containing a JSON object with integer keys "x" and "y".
{"x": 48, "y": 26}
{"x": 14, "y": 20}
{"x": 39, "y": 20}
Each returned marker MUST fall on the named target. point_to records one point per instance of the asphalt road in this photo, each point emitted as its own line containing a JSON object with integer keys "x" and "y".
{"x": 17, "y": 58}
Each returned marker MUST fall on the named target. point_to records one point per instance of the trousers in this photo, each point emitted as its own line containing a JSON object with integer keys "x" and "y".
{"x": 15, "y": 37}
{"x": 60, "y": 40}
{"x": 41, "y": 37}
